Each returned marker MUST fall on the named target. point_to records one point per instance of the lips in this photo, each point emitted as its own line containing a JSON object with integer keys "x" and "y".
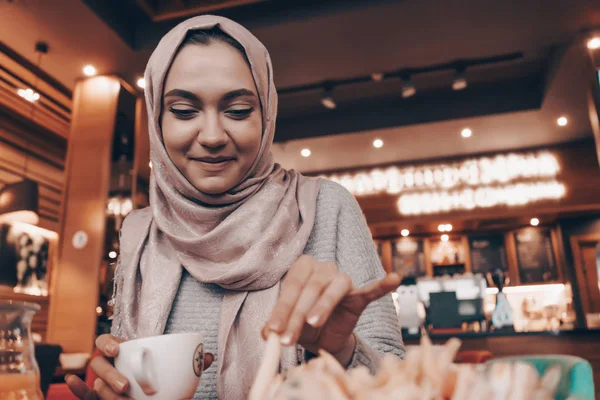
{"x": 213, "y": 164}
{"x": 213, "y": 160}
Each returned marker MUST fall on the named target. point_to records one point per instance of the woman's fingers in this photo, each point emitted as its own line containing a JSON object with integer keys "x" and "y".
{"x": 329, "y": 300}
{"x": 79, "y": 388}
{"x": 378, "y": 289}
{"x": 105, "y": 371}
{"x": 105, "y": 392}
{"x": 291, "y": 288}
{"x": 311, "y": 292}
{"x": 108, "y": 345}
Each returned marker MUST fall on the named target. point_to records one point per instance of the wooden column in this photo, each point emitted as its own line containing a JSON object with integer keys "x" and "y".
{"x": 74, "y": 294}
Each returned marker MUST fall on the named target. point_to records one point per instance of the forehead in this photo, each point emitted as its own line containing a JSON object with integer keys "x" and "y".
{"x": 216, "y": 65}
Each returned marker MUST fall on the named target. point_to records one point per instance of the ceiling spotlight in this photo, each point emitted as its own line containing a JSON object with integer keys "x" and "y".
{"x": 378, "y": 143}
{"x": 112, "y": 255}
{"x": 594, "y": 43}
{"x": 445, "y": 238}
{"x": 448, "y": 227}
{"x": 89, "y": 70}
{"x": 534, "y": 222}
{"x": 141, "y": 82}
{"x": 562, "y": 121}
{"x": 28, "y": 94}
{"x": 405, "y": 232}
{"x": 459, "y": 82}
{"x": 305, "y": 152}
{"x": 377, "y": 76}
{"x": 466, "y": 133}
{"x": 408, "y": 88}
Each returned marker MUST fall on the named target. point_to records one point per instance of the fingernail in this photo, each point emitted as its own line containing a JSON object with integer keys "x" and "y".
{"x": 67, "y": 376}
{"x": 111, "y": 348}
{"x": 286, "y": 339}
{"x": 313, "y": 320}
{"x": 120, "y": 385}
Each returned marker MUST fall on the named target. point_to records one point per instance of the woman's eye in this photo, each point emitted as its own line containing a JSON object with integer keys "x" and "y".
{"x": 239, "y": 113}
{"x": 182, "y": 112}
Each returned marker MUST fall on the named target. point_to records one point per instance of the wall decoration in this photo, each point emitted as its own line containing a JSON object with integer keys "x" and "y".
{"x": 24, "y": 252}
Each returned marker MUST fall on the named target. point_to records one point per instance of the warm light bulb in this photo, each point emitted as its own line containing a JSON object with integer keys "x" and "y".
{"x": 305, "y": 152}
{"x": 445, "y": 238}
{"x": 378, "y": 143}
{"x": 562, "y": 121}
{"x": 594, "y": 43}
{"x": 112, "y": 255}
{"x": 405, "y": 232}
{"x": 89, "y": 70}
{"x": 534, "y": 222}
{"x": 466, "y": 133}
{"x": 99, "y": 310}
{"x": 141, "y": 82}
{"x": 448, "y": 227}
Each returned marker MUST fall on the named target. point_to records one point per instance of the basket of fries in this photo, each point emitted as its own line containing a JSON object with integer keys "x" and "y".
{"x": 425, "y": 374}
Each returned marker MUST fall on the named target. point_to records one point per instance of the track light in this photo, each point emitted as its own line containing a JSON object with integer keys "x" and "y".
{"x": 460, "y": 82}
{"x": 327, "y": 99}
{"x": 408, "y": 88}
{"x": 377, "y": 76}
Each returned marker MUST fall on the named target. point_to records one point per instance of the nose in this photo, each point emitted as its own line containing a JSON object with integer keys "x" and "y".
{"x": 212, "y": 133}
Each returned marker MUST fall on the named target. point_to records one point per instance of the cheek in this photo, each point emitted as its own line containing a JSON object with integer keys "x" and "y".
{"x": 247, "y": 137}
{"x": 178, "y": 136}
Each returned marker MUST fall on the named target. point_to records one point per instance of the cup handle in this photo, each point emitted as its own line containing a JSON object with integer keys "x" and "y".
{"x": 141, "y": 366}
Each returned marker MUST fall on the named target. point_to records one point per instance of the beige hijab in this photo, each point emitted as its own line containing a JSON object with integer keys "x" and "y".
{"x": 244, "y": 240}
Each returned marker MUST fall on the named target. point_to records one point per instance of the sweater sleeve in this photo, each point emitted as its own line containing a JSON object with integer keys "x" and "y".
{"x": 378, "y": 331}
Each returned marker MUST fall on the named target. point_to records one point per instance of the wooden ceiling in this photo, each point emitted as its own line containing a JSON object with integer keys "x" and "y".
{"x": 164, "y": 10}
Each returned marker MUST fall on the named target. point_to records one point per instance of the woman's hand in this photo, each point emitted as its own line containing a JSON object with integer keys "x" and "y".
{"x": 110, "y": 383}
{"x": 319, "y": 307}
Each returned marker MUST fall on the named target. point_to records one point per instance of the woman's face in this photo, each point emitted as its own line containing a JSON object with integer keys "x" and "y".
{"x": 211, "y": 117}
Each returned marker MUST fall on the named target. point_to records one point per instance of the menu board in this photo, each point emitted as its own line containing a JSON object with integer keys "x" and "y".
{"x": 488, "y": 253}
{"x": 535, "y": 256}
{"x": 408, "y": 257}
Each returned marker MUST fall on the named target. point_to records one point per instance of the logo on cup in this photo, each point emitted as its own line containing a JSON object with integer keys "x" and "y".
{"x": 198, "y": 362}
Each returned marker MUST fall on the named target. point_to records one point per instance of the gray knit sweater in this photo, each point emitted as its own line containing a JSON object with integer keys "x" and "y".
{"x": 340, "y": 234}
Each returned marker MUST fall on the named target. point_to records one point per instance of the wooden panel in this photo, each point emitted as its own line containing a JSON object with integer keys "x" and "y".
{"x": 584, "y": 252}
{"x": 75, "y": 292}
{"x": 386, "y": 255}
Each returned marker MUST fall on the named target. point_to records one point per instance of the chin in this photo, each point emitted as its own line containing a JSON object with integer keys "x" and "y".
{"x": 213, "y": 185}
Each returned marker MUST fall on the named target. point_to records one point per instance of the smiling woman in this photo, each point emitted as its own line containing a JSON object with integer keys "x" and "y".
{"x": 211, "y": 117}
{"x": 233, "y": 246}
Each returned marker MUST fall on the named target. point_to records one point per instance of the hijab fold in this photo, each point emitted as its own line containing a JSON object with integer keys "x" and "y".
{"x": 244, "y": 240}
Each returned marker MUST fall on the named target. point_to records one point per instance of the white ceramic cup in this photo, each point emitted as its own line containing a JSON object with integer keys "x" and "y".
{"x": 162, "y": 367}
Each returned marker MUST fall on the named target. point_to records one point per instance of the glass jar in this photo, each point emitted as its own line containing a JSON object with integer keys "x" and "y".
{"x": 19, "y": 372}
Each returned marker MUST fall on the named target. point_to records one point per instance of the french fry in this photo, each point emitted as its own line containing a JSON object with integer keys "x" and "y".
{"x": 524, "y": 382}
{"x": 426, "y": 373}
{"x": 267, "y": 370}
{"x": 551, "y": 379}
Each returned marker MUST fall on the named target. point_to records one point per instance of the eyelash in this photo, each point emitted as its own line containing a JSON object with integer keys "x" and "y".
{"x": 238, "y": 114}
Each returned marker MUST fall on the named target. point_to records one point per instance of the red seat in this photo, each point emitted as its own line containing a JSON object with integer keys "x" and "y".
{"x": 473, "y": 356}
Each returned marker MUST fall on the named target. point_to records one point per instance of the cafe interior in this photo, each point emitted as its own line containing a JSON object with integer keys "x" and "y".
{"x": 468, "y": 132}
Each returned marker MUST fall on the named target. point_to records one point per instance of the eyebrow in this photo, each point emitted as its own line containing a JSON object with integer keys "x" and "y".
{"x": 238, "y": 93}
{"x": 227, "y": 97}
